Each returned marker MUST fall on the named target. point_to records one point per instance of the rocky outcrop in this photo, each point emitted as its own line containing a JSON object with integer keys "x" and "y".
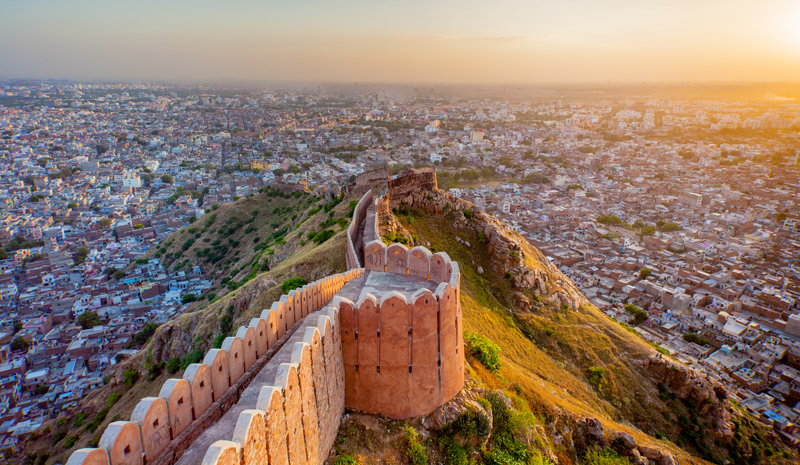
{"x": 710, "y": 397}
{"x": 511, "y": 255}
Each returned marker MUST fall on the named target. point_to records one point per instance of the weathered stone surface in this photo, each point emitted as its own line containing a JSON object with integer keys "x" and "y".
{"x": 198, "y": 375}
{"x": 397, "y": 259}
{"x": 438, "y": 270}
{"x": 270, "y": 400}
{"x": 652, "y": 453}
{"x": 335, "y": 390}
{"x": 426, "y": 392}
{"x": 280, "y": 317}
{"x": 288, "y": 380}
{"x": 223, "y": 453}
{"x": 251, "y": 433}
{"x": 271, "y": 318}
{"x": 375, "y": 256}
{"x": 217, "y": 361}
{"x": 259, "y": 326}
{"x": 89, "y": 456}
{"x": 301, "y": 356}
{"x": 178, "y": 395}
{"x": 324, "y": 413}
{"x": 235, "y": 349}
{"x": 627, "y": 440}
{"x": 123, "y": 442}
{"x": 289, "y": 311}
{"x": 153, "y": 418}
{"x": 452, "y": 379}
{"x": 248, "y": 337}
{"x": 394, "y": 381}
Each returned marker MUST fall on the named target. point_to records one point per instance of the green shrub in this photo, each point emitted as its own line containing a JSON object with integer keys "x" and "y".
{"x": 79, "y": 420}
{"x": 597, "y": 377}
{"x": 484, "y": 350}
{"x": 346, "y": 460}
{"x": 97, "y": 420}
{"x": 467, "y": 213}
{"x": 129, "y": 377}
{"x": 293, "y": 283}
{"x": 194, "y": 356}
{"x": 415, "y": 451}
{"x": 323, "y": 236}
{"x": 71, "y": 440}
{"x": 114, "y": 398}
{"x": 699, "y": 340}
{"x": 604, "y": 456}
{"x": 173, "y": 365}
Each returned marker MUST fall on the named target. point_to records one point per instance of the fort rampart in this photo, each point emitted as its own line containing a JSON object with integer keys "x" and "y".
{"x": 162, "y": 427}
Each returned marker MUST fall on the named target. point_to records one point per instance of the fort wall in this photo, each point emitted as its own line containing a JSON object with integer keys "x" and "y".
{"x": 404, "y": 357}
{"x": 162, "y": 427}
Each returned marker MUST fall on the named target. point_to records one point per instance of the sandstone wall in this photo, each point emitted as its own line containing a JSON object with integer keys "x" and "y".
{"x": 359, "y": 215}
{"x": 404, "y": 357}
{"x": 162, "y": 427}
{"x": 296, "y": 419}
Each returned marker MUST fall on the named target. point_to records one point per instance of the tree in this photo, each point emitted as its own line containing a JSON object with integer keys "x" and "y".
{"x": 89, "y": 320}
{"x": 188, "y": 298}
{"x": 166, "y": 179}
{"x": 647, "y": 231}
{"x": 644, "y": 273}
{"x": 73, "y": 205}
{"x": 639, "y": 315}
{"x": 19, "y": 343}
{"x": 80, "y": 255}
{"x": 670, "y": 227}
{"x": 105, "y": 223}
{"x": 101, "y": 149}
{"x": 119, "y": 275}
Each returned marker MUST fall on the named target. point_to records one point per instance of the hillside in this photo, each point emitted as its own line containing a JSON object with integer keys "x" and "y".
{"x": 561, "y": 357}
{"x": 242, "y": 291}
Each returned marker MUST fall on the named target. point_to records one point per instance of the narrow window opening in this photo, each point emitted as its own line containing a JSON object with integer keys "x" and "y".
{"x": 180, "y": 401}
{"x": 202, "y": 384}
{"x": 127, "y": 450}
{"x": 356, "y": 368}
{"x": 155, "y": 423}
{"x": 379, "y": 368}
{"x": 409, "y": 369}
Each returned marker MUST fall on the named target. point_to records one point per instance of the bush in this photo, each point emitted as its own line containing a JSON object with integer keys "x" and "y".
{"x": 173, "y": 365}
{"x": 323, "y": 236}
{"x": 468, "y": 213}
{"x": 293, "y": 283}
{"x": 346, "y": 460}
{"x": 79, "y": 420}
{"x": 597, "y": 377}
{"x": 129, "y": 377}
{"x": 188, "y": 298}
{"x": 194, "y": 356}
{"x": 71, "y": 440}
{"x": 114, "y": 398}
{"x": 484, "y": 350}
{"x": 415, "y": 451}
{"x": 604, "y": 456}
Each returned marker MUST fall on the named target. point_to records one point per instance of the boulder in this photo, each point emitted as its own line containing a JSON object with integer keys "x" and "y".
{"x": 627, "y": 440}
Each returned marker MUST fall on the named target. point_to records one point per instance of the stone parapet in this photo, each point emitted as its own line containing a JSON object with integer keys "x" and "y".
{"x": 162, "y": 427}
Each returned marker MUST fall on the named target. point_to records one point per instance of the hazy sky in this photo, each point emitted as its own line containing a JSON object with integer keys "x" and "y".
{"x": 507, "y": 41}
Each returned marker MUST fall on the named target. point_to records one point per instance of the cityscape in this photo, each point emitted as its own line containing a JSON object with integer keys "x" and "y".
{"x": 361, "y": 233}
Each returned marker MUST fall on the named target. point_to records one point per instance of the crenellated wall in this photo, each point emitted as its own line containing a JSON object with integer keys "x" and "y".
{"x": 403, "y": 356}
{"x": 162, "y": 427}
{"x": 359, "y": 216}
{"x": 296, "y": 418}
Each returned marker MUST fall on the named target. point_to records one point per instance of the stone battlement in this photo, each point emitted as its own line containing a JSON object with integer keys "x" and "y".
{"x": 162, "y": 427}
